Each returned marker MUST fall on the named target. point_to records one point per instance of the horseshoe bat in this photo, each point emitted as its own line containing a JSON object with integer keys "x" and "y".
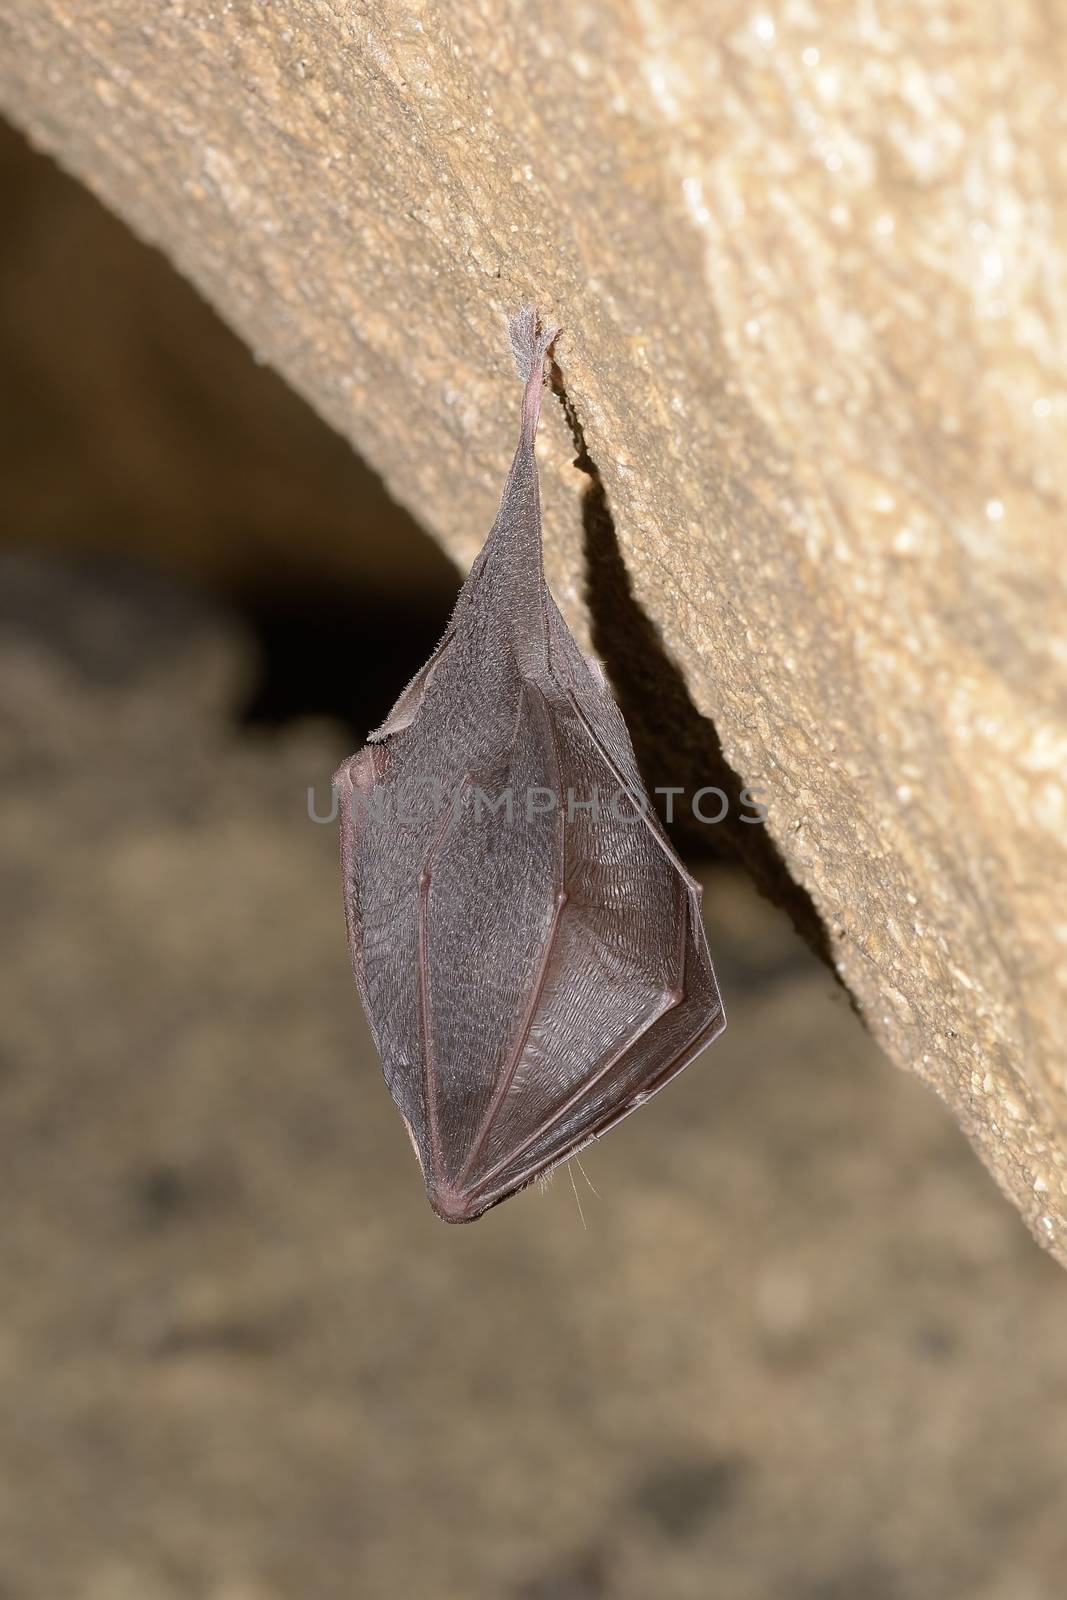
{"x": 528, "y": 948}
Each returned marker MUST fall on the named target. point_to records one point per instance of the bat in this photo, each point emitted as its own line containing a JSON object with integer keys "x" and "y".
{"x": 527, "y": 946}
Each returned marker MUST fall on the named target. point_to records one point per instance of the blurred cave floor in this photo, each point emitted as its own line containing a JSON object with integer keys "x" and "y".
{"x": 795, "y": 1345}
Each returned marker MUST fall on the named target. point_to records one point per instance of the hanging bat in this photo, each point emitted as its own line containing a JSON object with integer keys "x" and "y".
{"x": 528, "y": 948}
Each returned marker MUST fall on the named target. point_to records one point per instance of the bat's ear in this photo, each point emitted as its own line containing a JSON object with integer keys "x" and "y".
{"x": 529, "y": 340}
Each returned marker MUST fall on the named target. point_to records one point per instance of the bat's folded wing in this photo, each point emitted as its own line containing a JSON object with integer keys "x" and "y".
{"x": 624, "y": 996}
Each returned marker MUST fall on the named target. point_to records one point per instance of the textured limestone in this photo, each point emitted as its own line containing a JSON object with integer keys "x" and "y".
{"x": 810, "y": 261}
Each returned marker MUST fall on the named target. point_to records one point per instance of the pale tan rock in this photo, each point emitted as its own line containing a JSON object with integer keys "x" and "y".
{"x": 811, "y": 264}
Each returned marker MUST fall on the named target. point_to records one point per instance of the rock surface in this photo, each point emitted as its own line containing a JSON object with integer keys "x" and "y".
{"x": 811, "y": 264}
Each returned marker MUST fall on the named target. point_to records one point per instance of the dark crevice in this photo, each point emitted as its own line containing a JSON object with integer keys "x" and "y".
{"x": 674, "y": 743}
{"x": 343, "y": 654}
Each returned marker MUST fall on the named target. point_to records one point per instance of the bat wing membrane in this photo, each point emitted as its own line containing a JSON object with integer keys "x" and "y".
{"x": 561, "y": 970}
{"x": 626, "y": 996}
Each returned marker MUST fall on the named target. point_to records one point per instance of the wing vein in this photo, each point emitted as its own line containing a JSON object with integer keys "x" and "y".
{"x": 511, "y": 1065}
